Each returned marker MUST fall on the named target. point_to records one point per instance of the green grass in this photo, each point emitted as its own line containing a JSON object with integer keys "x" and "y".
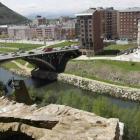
{"x": 10, "y": 65}
{"x": 63, "y": 44}
{"x": 22, "y": 62}
{"x": 132, "y": 66}
{"x": 7, "y": 50}
{"x": 127, "y": 65}
{"x": 20, "y": 45}
{"x": 30, "y": 66}
{"x": 120, "y": 47}
{"x": 113, "y": 50}
{"x": 101, "y": 80}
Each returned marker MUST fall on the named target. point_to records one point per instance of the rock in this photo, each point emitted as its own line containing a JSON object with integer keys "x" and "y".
{"x": 60, "y": 122}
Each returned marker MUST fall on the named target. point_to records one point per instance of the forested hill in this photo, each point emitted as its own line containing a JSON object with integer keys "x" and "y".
{"x": 8, "y": 16}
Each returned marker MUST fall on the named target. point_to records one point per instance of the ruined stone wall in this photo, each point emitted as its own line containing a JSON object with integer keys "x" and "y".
{"x": 66, "y": 123}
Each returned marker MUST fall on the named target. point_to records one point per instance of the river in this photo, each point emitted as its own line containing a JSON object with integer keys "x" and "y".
{"x": 46, "y": 85}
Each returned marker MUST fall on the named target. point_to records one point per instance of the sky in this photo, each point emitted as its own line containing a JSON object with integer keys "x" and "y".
{"x": 26, "y": 7}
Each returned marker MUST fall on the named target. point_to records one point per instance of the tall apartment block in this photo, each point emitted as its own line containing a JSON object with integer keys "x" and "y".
{"x": 128, "y": 23}
{"x": 108, "y": 19}
{"x": 138, "y": 37}
{"x": 88, "y": 30}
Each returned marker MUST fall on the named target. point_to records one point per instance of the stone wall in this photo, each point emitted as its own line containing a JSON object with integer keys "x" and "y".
{"x": 66, "y": 123}
{"x": 121, "y": 92}
{"x": 20, "y": 72}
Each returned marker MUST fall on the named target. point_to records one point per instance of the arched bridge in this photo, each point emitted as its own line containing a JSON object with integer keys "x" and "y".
{"x": 43, "y": 60}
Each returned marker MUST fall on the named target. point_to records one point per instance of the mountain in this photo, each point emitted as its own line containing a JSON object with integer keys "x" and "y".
{"x": 8, "y": 16}
{"x": 49, "y": 15}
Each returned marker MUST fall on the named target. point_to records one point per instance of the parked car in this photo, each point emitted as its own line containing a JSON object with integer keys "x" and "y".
{"x": 4, "y": 54}
{"x": 31, "y": 52}
{"x": 21, "y": 51}
{"x": 48, "y": 49}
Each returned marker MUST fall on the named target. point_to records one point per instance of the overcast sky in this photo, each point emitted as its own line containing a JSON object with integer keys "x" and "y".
{"x": 26, "y": 7}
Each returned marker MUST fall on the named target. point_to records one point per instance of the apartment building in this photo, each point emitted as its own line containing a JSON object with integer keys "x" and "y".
{"x": 128, "y": 23}
{"x": 49, "y": 32}
{"x": 108, "y": 22}
{"x": 68, "y": 33}
{"x": 138, "y": 36}
{"x": 39, "y": 20}
{"x": 64, "y": 19}
{"x": 21, "y": 32}
{"x": 88, "y": 30}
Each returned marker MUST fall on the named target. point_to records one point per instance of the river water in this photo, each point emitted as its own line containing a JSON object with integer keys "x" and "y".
{"x": 45, "y": 85}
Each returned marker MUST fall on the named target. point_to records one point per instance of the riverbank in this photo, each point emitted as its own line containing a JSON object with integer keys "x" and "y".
{"x": 98, "y": 87}
{"x": 121, "y": 92}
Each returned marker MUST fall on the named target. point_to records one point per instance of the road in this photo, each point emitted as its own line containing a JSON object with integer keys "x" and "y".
{"x": 36, "y": 52}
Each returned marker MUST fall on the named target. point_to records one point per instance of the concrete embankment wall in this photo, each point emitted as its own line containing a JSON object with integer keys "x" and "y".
{"x": 121, "y": 92}
{"x": 98, "y": 87}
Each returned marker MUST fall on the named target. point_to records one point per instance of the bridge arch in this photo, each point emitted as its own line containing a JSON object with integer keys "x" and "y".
{"x": 40, "y": 63}
{"x": 36, "y": 62}
{"x": 73, "y": 52}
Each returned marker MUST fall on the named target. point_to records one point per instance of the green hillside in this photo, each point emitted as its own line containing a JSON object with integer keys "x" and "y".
{"x": 8, "y": 16}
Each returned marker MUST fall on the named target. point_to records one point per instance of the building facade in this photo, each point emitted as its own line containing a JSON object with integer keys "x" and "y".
{"x": 21, "y": 32}
{"x": 88, "y": 30}
{"x": 68, "y": 33}
{"x": 64, "y": 19}
{"x": 108, "y": 22}
{"x": 138, "y": 36}
{"x": 128, "y": 23}
{"x": 39, "y": 20}
{"x": 49, "y": 32}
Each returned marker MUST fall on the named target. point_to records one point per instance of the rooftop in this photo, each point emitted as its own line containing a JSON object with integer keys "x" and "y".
{"x": 19, "y": 27}
{"x": 133, "y": 9}
{"x": 87, "y": 12}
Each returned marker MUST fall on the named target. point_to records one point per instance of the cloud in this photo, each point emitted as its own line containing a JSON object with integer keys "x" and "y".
{"x": 54, "y": 6}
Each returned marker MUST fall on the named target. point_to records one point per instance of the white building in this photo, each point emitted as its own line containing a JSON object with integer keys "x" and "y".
{"x": 39, "y": 20}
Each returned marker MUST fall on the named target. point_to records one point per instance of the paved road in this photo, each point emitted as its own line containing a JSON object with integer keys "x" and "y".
{"x": 36, "y": 52}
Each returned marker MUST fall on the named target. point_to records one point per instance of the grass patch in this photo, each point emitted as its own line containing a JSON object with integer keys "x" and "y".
{"x": 113, "y": 50}
{"x": 19, "y": 45}
{"x": 10, "y": 65}
{"x": 22, "y": 62}
{"x": 120, "y": 47}
{"x": 30, "y": 66}
{"x": 101, "y": 80}
{"x": 7, "y": 50}
{"x": 127, "y": 65}
{"x": 63, "y": 44}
